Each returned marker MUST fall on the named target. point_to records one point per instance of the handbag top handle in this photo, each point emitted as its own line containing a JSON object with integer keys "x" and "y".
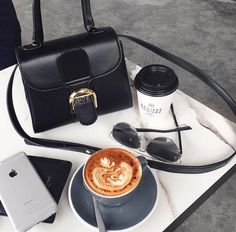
{"x": 38, "y": 37}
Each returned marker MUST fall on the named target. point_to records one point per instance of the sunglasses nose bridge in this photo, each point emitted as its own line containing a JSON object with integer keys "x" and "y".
{"x": 143, "y": 143}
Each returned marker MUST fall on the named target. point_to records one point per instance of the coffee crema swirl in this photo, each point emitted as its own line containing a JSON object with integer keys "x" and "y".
{"x": 113, "y": 172}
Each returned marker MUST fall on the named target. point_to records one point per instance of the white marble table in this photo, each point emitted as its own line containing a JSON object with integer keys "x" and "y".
{"x": 213, "y": 138}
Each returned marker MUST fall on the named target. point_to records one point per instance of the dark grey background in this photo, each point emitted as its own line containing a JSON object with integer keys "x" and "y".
{"x": 201, "y": 31}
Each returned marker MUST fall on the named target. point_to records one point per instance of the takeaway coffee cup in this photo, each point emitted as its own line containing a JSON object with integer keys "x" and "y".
{"x": 112, "y": 175}
{"x": 156, "y": 85}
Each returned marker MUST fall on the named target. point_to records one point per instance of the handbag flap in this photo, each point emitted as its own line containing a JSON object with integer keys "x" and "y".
{"x": 68, "y": 59}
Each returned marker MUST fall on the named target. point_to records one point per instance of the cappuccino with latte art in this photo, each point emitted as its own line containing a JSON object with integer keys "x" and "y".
{"x": 112, "y": 172}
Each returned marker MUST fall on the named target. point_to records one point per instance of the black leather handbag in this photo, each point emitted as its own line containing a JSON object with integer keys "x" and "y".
{"x": 44, "y": 59}
{"x": 74, "y": 78}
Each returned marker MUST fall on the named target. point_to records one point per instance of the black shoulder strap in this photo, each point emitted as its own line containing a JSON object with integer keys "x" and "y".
{"x": 37, "y": 141}
{"x": 153, "y": 164}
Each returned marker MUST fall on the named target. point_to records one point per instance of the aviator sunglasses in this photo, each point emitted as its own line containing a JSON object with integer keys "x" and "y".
{"x": 161, "y": 148}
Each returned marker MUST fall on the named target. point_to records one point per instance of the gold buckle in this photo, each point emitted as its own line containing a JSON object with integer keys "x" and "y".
{"x": 82, "y": 94}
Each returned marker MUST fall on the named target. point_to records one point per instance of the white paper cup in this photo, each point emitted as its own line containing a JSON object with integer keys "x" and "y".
{"x": 156, "y": 86}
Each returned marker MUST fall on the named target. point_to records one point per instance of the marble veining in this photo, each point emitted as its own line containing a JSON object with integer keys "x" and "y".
{"x": 224, "y": 131}
{"x": 216, "y": 132}
{"x": 174, "y": 211}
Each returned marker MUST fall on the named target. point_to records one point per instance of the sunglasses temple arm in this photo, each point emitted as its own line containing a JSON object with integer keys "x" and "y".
{"x": 179, "y": 134}
{"x": 181, "y": 128}
{"x": 178, "y": 128}
{"x": 180, "y": 143}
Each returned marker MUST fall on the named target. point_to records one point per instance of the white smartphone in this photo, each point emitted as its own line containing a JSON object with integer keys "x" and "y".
{"x": 23, "y": 194}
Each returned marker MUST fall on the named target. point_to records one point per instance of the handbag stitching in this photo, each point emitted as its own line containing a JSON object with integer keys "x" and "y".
{"x": 30, "y": 106}
{"x": 26, "y": 89}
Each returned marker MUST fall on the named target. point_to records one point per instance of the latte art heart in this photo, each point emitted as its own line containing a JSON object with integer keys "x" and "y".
{"x": 113, "y": 172}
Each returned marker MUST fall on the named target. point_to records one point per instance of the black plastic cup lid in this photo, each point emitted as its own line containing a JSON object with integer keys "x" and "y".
{"x": 156, "y": 80}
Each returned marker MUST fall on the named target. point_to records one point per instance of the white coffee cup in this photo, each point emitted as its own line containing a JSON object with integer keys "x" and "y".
{"x": 120, "y": 199}
{"x": 156, "y": 86}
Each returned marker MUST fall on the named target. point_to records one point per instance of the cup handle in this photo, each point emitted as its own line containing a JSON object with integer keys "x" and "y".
{"x": 143, "y": 162}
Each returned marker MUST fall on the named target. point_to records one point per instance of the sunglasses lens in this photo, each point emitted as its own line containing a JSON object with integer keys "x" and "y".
{"x": 163, "y": 148}
{"x": 126, "y": 135}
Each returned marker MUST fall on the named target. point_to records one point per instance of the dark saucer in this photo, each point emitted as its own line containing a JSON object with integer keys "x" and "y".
{"x": 115, "y": 218}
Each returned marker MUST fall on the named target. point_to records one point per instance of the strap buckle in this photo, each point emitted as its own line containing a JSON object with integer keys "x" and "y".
{"x": 82, "y": 95}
